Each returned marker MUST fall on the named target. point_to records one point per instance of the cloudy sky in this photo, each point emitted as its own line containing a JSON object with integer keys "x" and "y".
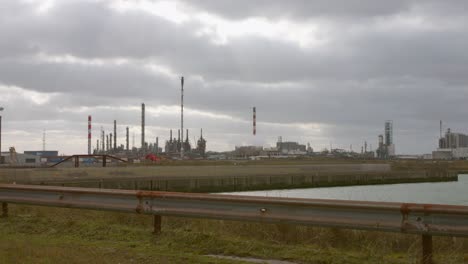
{"x": 318, "y": 71}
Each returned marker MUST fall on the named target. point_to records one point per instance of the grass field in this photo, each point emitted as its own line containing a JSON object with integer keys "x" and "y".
{"x": 52, "y": 235}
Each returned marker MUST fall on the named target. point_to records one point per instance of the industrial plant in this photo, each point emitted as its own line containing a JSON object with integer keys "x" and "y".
{"x": 108, "y": 145}
{"x": 451, "y": 145}
{"x": 174, "y": 147}
{"x": 178, "y": 146}
{"x": 386, "y": 147}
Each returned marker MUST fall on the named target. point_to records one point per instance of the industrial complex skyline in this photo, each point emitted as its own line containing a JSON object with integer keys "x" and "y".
{"x": 317, "y": 73}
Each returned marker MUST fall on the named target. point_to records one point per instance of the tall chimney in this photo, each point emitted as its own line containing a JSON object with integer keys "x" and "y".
{"x": 142, "y": 126}
{"x": 170, "y": 137}
{"x": 115, "y": 134}
{"x": 440, "y": 128}
{"x": 157, "y": 145}
{"x": 127, "y": 139}
{"x": 254, "y": 121}
{"x": 103, "y": 140}
{"x": 97, "y": 145}
{"x": 178, "y": 139}
{"x": 107, "y": 142}
{"x": 110, "y": 142}
{"x": 182, "y": 113}
{"x": 187, "y": 136}
{"x": 89, "y": 135}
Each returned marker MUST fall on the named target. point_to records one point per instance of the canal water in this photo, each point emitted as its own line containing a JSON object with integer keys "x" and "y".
{"x": 454, "y": 193}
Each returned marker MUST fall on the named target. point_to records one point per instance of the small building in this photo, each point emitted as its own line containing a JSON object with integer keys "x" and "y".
{"x": 442, "y": 154}
{"x": 217, "y": 157}
{"x": 247, "y": 151}
{"x": 20, "y": 159}
{"x": 409, "y": 157}
{"x": 270, "y": 152}
{"x": 427, "y": 156}
{"x": 42, "y": 153}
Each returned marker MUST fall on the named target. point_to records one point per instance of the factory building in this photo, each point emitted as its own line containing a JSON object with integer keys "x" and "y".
{"x": 247, "y": 151}
{"x": 453, "y": 140}
{"x": 452, "y": 146}
{"x": 282, "y": 150}
{"x": 17, "y": 159}
{"x": 45, "y": 156}
{"x": 42, "y": 153}
{"x": 290, "y": 148}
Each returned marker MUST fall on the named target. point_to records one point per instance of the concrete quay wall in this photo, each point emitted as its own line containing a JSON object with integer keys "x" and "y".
{"x": 224, "y": 178}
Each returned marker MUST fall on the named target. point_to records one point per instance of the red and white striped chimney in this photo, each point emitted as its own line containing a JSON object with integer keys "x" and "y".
{"x": 254, "y": 121}
{"x": 89, "y": 135}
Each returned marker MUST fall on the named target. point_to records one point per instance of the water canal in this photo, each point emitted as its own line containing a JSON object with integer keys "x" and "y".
{"x": 454, "y": 193}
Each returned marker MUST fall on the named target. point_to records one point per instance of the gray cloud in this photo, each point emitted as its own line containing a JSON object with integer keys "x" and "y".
{"x": 335, "y": 9}
{"x": 378, "y": 62}
{"x": 302, "y": 8}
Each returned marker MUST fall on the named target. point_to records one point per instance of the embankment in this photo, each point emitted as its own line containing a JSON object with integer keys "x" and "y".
{"x": 226, "y": 178}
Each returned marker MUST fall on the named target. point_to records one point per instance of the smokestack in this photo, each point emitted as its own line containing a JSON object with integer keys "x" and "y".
{"x": 201, "y": 132}
{"x": 97, "y": 145}
{"x": 89, "y": 135}
{"x": 127, "y": 139}
{"x": 254, "y": 121}
{"x": 187, "y": 136}
{"x": 107, "y": 142}
{"x": 440, "y": 128}
{"x": 182, "y": 113}
{"x": 110, "y": 142}
{"x": 178, "y": 139}
{"x": 170, "y": 137}
{"x": 102, "y": 140}
{"x": 142, "y": 126}
{"x": 115, "y": 134}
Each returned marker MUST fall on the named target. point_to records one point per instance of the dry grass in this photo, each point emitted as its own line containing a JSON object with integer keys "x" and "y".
{"x": 51, "y": 235}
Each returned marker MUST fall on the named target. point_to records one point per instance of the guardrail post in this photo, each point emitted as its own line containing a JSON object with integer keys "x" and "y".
{"x": 427, "y": 249}
{"x": 157, "y": 224}
{"x": 4, "y": 209}
{"x": 77, "y": 161}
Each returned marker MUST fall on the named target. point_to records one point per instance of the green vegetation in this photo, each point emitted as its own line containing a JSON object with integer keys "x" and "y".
{"x": 55, "y": 235}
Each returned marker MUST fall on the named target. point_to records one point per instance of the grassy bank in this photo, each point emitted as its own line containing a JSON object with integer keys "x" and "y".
{"x": 52, "y": 235}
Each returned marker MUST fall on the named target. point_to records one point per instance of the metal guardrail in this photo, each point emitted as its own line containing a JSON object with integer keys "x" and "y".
{"x": 424, "y": 219}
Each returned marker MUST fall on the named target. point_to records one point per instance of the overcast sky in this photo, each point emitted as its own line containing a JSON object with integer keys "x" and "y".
{"x": 318, "y": 71}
